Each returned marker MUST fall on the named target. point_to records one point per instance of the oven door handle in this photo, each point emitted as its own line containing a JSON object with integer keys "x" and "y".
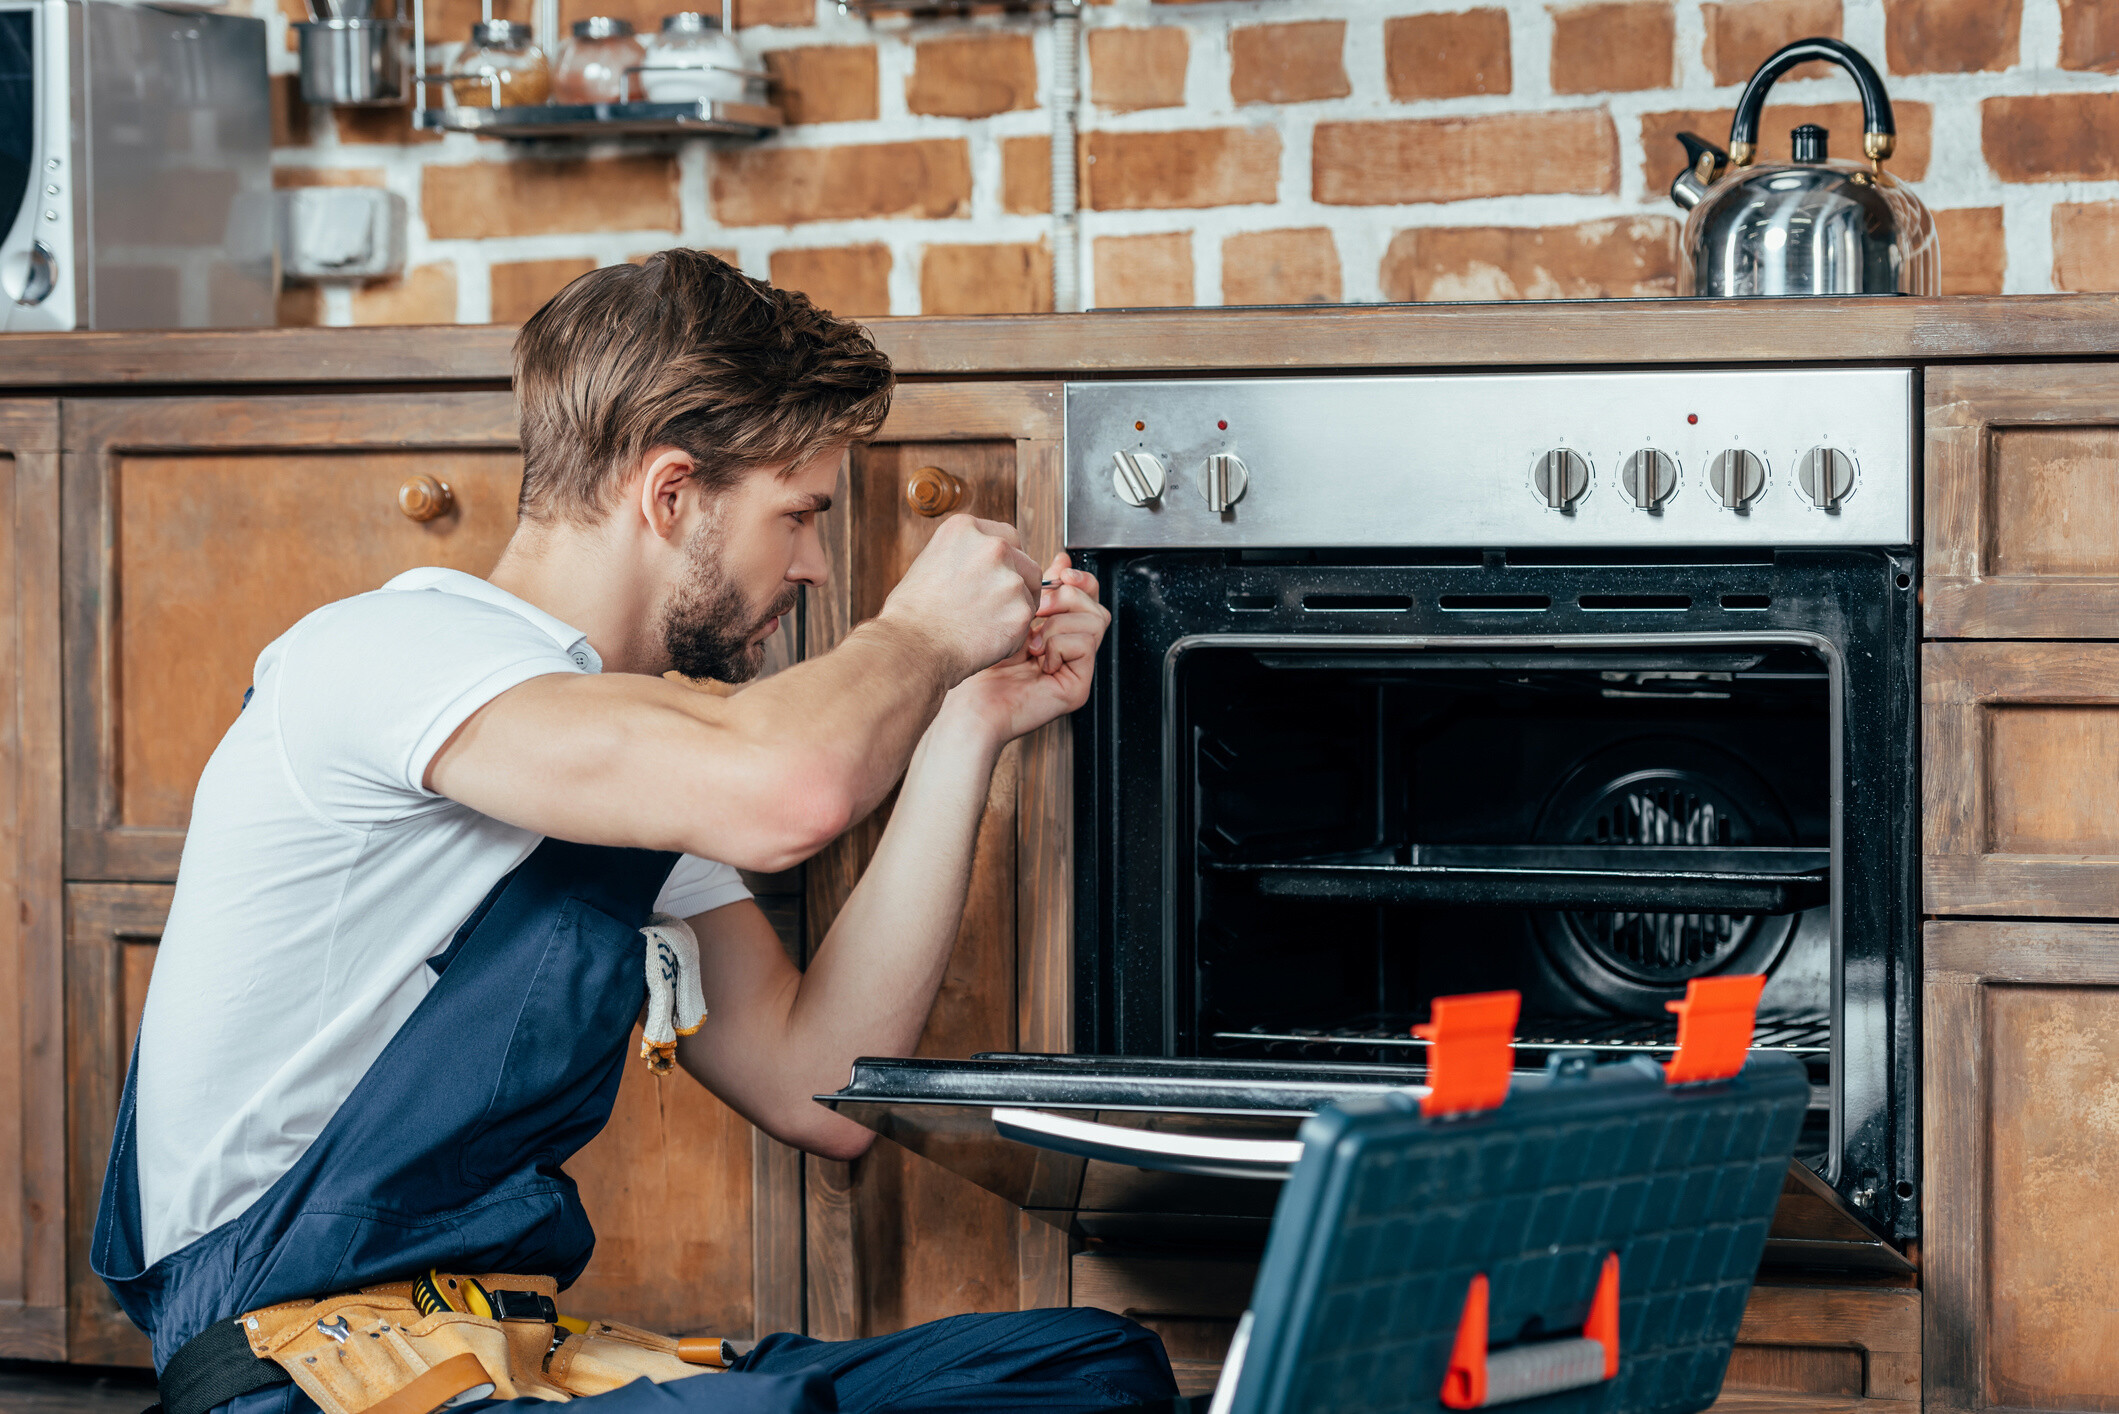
{"x": 1198, "y": 1154}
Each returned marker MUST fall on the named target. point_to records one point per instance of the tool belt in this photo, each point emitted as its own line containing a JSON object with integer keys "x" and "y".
{"x": 417, "y": 1346}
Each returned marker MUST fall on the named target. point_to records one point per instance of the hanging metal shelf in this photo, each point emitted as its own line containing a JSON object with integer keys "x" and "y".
{"x": 699, "y": 118}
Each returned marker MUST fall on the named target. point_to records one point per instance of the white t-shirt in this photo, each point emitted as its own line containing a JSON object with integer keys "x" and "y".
{"x": 320, "y": 874}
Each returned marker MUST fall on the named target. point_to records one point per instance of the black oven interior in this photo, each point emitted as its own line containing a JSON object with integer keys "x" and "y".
{"x": 1317, "y": 794}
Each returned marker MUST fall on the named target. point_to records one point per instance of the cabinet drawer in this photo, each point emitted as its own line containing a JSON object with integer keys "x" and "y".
{"x": 2021, "y": 1082}
{"x": 2023, "y": 502}
{"x": 2020, "y": 752}
{"x": 197, "y": 531}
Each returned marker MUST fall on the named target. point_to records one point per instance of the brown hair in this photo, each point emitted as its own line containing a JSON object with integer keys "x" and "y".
{"x": 683, "y": 350}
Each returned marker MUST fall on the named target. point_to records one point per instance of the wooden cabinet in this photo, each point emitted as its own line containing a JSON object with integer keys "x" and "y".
{"x": 2021, "y": 748}
{"x": 2021, "y": 1100}
{"x": 2022, "y": 522}
{"x": 32, "y": 1056}
{"x": 197, "y": 530}
{"x": 892, "y": 1239}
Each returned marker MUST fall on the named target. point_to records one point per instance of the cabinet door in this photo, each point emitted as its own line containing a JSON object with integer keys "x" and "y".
{"x": 32, "y": 1058}
{"x": 2020, "y": 752}
{"x": 894, "y": 1240}
{"x": 2020, "y": 1099}
{"x": 112, "y": 931}
{"x": 2022, "y": 502}
{"x": 197, "y": 530}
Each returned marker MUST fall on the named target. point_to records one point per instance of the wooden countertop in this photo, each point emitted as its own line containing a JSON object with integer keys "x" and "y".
{"x": 1527, "y": 335}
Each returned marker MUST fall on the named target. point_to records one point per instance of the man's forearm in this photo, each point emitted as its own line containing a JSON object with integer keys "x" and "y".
{"x": 873, "y": 981}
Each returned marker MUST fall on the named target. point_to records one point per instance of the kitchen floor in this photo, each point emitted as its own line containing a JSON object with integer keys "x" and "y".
{"x": 30, "y": 1388}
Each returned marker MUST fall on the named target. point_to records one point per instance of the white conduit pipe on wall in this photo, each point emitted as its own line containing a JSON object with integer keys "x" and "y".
{"x": 1066, "y": 98}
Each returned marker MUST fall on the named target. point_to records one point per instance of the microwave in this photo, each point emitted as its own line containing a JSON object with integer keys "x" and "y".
{"x": 135, "y": 168}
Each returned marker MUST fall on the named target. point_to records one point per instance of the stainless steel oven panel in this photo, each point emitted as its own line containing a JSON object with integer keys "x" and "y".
{"x": 1859, "y": 1034}
{"x": 1449, "y": 461}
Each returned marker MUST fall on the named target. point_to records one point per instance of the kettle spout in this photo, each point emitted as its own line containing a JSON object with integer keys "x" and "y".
{"x": 1704, "y": 165}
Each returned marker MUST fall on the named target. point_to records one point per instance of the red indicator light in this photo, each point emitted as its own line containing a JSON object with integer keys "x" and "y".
{"x": 1692, "y": 417}
{"x": 1142, "y": 426}
{"x": 1223, "y": 425}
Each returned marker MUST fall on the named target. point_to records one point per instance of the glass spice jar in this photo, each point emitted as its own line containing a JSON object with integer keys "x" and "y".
{"x": 596, "y": 65}
{"x": 693, "y": 58}
{"x": 499, "y": 68}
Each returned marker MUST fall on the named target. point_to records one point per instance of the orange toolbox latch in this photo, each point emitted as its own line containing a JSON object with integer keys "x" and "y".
{"x": 1715, "y": 1022}
{"x": 1480, "y": 1378}
{"x": 1471, "y": 1049}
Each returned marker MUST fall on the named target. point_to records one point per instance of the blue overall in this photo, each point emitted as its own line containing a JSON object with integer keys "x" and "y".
{"x": 447, "y": 1155}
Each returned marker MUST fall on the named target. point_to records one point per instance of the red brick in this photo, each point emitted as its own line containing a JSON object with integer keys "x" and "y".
{"x": 1292, "y": 63}
{"x": 521, "y": 287}
{"x": 1661, "y": 156}
{"x": 1446, "y": 56}
{"x": 788, "y": 14}
{"x": 1975, "y": 255}
{"x": 300, "y": 306}
{"x": 425, "y": 294}
{"x": 1138, "y": 68}
{"x": 1026, "y": 175}
{"x": 2086, "y": 246}
{"x": 824, "y": 83}
{"x": 973, "y": 75}
{"x": 379, "y": 127}
{"x": 290, "y": 116}
{"x": 1280, "y": 267}
{"x": 1743, "y": 34}
{"x": 1452, "y": 159}
{"x": 286, "y": 178}
{"x": 1140, "y": 272}
{"x": 1615, "y": 258}
{"x": 2089, "y": 35}
{"x": 1621, "y": 46}
{"x": 781, "y": 186}
{"x": 1950, "y": 36}
{"x": 536, "y": 197}
{"x": 1192, "y": 167}
{"x": 850, "y": 281}
{"x": 645, "y": 16}
{"x": 1013, "y": 278}
{"x": 2061, "y": 137}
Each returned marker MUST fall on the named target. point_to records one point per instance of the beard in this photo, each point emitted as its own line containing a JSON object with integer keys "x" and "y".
{"x": 710, "y": 629}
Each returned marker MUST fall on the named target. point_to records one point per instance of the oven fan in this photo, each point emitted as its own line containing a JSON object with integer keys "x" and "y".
{"x": 1661, "y": 792}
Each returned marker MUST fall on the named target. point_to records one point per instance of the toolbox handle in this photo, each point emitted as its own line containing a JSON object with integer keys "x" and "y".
{"x": 1199, "y": 1154}
{"x": 1479, "y": 1378}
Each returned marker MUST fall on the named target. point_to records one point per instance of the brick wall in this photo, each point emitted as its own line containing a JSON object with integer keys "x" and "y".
{"x": 1250, "y": 151}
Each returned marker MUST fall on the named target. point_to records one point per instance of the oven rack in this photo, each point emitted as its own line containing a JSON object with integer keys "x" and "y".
{"x": 1744, "y": 879}
{"x": 1796, "y": 1035}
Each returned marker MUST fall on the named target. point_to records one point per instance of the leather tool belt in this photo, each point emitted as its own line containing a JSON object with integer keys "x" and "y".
{"x": 415, "y": 1347}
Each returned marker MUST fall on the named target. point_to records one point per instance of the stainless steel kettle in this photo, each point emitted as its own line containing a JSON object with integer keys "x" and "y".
{"x": 1813, "y": 226}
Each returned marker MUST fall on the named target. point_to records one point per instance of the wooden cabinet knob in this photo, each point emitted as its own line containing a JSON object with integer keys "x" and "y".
{"x": 933, "y": 491}
{"x": 424, "y": 497}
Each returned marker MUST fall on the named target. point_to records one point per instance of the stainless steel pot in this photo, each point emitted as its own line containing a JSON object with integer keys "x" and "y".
{"x": 1812, "y": 226}
{"x": 354, "y": 62}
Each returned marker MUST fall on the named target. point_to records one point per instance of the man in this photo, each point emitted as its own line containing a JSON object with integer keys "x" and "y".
{"x": 403, "y": 963}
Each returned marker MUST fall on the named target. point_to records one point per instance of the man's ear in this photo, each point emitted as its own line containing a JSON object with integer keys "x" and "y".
{"x": 665, "y": 478}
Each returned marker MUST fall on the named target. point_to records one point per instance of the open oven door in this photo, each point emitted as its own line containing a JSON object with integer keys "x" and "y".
{"x": 1192, "y": 1152}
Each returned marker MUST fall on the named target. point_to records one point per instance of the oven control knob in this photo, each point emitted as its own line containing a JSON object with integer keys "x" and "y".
{"x": 1223, "y": 480}
{"x": 1137, "y": 476}
{"x": 1562, "y": 478}
{"x": 1649, "y": 478}
{"x": 1736, "y": 477}
{"x": 1826, "y": 475}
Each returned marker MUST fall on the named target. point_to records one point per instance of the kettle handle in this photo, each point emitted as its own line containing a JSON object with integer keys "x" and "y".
{"x": 1879, "y": 132}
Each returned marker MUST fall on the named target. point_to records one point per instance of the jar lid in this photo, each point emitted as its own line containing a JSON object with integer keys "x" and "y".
{"x": 500, "y": 34}
{"x": 602, "y": 27}
{"x": 689, "y": 22}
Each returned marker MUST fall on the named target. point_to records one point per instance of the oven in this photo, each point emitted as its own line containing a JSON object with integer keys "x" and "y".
{"x": 1581, "y": 685}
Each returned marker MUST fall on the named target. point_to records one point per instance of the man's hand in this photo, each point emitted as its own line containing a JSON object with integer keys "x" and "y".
{"x": 971, "y": 594}
{"x": 1050, "y": 675}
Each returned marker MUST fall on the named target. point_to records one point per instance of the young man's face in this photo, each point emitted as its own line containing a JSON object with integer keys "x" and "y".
{"x": 745, "y": 567}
